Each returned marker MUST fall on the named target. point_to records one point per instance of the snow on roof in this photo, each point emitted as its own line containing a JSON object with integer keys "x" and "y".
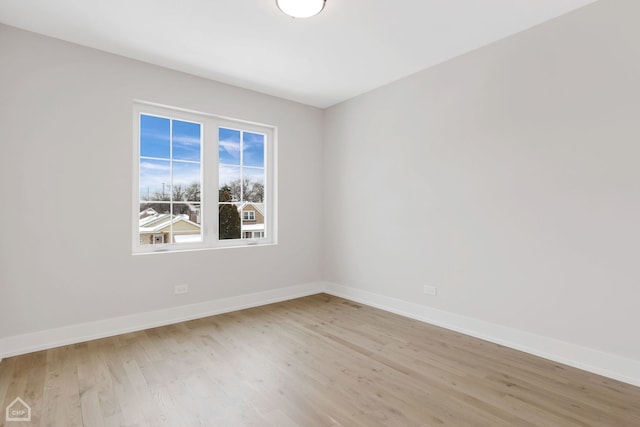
{"x": 150, "y": 220}
{"x": 257, "y": 206}
{"x": 187, "y": 238}
{"x": 253, "y": 227}
{"x": 161, "y": 221}
{"x": 147, "y": 212}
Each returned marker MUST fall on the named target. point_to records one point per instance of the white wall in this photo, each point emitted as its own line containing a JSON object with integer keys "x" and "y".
{"x": 508, "y": 177}
{"x": 66, "y": 173}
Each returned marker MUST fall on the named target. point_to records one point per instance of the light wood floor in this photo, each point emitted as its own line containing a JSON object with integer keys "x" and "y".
{"x": 315, "y": 361}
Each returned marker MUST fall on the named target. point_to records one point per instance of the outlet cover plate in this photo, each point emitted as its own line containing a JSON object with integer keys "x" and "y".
{"x": 431, "y": 290}
{"x": 181, "y": 289}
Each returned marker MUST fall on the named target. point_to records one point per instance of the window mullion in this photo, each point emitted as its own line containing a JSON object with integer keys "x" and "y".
{"x": 171, "y": 215}
{"x": 210, "y": 177}
{"x": 241, "y": 170}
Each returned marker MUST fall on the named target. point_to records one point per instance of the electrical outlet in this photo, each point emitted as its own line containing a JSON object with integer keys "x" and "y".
{"x": 181, "y": 289}
{"x": 431, "y": 290}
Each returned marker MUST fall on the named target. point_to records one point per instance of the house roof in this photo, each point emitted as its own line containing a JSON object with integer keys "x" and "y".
{"x": 259, "y": 207}
{"x": 157, "y": 222}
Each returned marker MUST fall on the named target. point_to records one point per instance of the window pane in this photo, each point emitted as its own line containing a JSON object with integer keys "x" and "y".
{"x": 253, "y": 149}
{"x": 154, "y": 223}
{"x": 186, "y": 141}
{"x": 186, "y": 181}
{"x": 253, "y": 185}
{"x": 229, "y": 146}
{"x": 229, "y": 184}
{"x": 154, "y": 136}
{"x": 252, "y": 221}
{"x": 154, "y": 179}
{"x": 229, "y": 223}
{"x": 187, "y": 223}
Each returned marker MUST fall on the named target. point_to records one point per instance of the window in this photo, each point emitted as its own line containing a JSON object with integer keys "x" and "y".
{"x": 198, "y": 178}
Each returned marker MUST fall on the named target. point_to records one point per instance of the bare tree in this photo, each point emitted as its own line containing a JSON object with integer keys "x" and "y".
{"x": 178, "y": 193}
{"x": 189, "y": 193}
{"x": 252, "y": 191}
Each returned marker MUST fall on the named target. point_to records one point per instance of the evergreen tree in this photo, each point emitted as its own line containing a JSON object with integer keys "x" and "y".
{"x": 229, "y": 217}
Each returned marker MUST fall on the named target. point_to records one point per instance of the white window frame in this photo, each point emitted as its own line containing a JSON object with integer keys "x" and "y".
{"x": 251, "y": 217}
{"x": 210, "y": 125}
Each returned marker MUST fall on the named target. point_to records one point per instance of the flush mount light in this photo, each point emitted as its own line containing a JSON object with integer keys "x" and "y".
{"x": 301, "y": 8}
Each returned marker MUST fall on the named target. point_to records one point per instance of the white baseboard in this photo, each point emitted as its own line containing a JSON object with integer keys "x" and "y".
{"x": 50, "y": 338}
{"x": 598, "y": 362}
{"x": 587, "y": 359}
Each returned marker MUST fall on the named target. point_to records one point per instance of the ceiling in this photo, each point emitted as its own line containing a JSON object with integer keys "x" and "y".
{"x": 353, "y": 46}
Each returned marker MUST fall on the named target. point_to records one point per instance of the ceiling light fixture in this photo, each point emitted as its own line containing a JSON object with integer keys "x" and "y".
{"x": 301, "y": 8}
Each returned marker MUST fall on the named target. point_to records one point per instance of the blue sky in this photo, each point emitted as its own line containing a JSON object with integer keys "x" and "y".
{"x": 230, "y": 141}
{"x": 156, "y": 136}
{"x": 252, "y": 150}
{"x": 158, "y": 133}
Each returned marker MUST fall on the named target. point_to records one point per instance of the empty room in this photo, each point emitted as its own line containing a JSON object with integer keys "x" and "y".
{"x": 283, "y": 213}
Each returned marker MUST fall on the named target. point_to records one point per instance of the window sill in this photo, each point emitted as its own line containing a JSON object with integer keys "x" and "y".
{"x": 207, "y": 248}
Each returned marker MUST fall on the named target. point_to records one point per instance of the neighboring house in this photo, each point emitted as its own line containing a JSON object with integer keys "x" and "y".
{"x": 252, "y": 215}
{"x": 155, "y": 228}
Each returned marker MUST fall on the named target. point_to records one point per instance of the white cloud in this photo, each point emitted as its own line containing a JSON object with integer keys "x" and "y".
{"x": 154, "y": 166}
{"x": 187, "y": 140}
{"x": 232, "y": 148}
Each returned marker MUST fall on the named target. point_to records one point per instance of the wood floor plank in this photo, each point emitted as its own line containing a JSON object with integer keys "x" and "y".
{"x": 313, "y": 361}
